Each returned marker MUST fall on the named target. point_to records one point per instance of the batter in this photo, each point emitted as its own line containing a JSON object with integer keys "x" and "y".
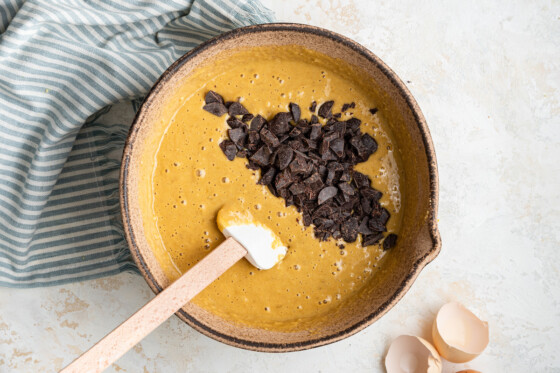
{"x": 188, "y": 180}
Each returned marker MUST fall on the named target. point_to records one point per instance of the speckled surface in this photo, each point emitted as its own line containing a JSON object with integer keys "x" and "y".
{"x": 487, "y": 77}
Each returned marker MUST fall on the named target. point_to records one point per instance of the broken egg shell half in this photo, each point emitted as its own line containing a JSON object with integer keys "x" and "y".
{"x": 409, "y": 354}
{"x": 458, "y": 334}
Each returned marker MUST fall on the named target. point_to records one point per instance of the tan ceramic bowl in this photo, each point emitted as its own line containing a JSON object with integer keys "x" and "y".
{"x": 419, "y": 241}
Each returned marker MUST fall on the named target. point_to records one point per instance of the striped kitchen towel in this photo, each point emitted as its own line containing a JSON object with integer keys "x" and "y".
{"x": 65, "y": 66}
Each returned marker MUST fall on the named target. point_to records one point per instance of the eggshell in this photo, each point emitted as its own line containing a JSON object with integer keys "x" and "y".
{"x": 409, "y": 354}
{"x": 458, "y": 334}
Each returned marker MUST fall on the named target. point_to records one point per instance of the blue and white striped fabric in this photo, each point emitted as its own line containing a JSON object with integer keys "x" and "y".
{"x": 62, "y": 62}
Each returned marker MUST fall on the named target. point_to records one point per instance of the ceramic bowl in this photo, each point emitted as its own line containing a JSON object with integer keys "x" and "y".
{"x": 419, "y": 240}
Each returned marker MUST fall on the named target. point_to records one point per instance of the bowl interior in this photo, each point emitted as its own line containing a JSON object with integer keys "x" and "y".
{"x": 418, "y": 241}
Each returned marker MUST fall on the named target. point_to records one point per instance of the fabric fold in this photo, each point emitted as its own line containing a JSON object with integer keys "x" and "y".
{"x": 72, "y": 74}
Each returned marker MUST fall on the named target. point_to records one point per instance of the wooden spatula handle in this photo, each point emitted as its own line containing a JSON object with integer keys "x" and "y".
{"x": 159, "y": 309}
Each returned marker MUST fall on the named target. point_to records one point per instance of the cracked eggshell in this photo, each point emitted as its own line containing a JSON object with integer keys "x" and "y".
{"x": 409, "y": 354}
{"x": 458, "y": 334}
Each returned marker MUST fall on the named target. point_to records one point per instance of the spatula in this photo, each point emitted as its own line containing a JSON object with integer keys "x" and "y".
{"x": 246, "y": 237}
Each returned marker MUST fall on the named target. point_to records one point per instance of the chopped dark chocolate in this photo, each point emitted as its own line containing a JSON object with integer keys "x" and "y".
{"x": 229, "y": 149}
{"x": 390, "y": 241}
{"x": 237, "y": 109}
{"x": 349, "y": 229}
{"x": 326, "y": 193}
{"x": 295, "y": 110}
{"x": 237, "y": 135}
{"x": 311, "y": 166}
{"x": 325, "y": 110}
{"x": 216, "y": 108}
{"x": 373, "y": 111}
{"x": 284, "y": 157}
{"x": 257, "y": 123}
{"x": 261, "y": 156}
{"x": 348, "y": 106}
{"x": 212, "y": 96}
{"x": 297, "y": 188}
{"x": 269, "y": 138}
{"x": 283, "y": 180}
{"x": 247, "y": 117}
{"x": 267, "y": 177}
{"x": 313, "y": 106}
{"x": 371, "y": 239}
{"x": 280, "y": 124}
{"x": 346, "y": 189}
{"x": 233, "y": 122}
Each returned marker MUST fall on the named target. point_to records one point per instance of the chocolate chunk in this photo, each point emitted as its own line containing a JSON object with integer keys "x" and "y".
{"x": 315, "y": 133}
{"x": 247, "y": 118}
{"x": 326, "y": 193}
{"x": 328, "y": 156}
{"x": 229, "y": 149}
{"x": 257, "y": 123}
{"x": 325, "y": 144}
{"x": 339, "y": 128}
{"x": 216, "y": 108}
{"x": 376, "y": 225}
{"x": 237, "y": 135}
{"x": 212, "y": 96}
{"x": 390, "y": 241}
{"x": 360, "y": 180}
{"x": 314, "y": 119}
{"x": 295, "y": 132}
{"x": 348, "y": 106}
{"x": 346, "y": 189}
{"x": 295, "y": 110}
{"x": 283, "y": 179}
{"x": 253, "y": 139}
{"x": 237, "y": 109}
{"x": 261, "y": 157}
{"x": 233, "y": 122}
{"x": 349, "y": 229}
{"x": 285, "y": 155}
{"x": 269, "y": 138}
{"x": 370, "y": 145}
{"x": 280, "y": 124}
{"x": 313, "y": 106}
{"x": 365, "y": 205}
{"x": 337, "y": 146}
{"x": 373, "y": 111}
{"x": 228, "y": 103}
{"x": 371, "y": 239}
{"x": 363, "y": 228}
{"x": 381, "y": 215}
{"x": 353, "y": 125}
{"x": 298, "y": 165}
{"x": 314, "y": 182}
{"x": 325, "y": 109}
{"x": 370, "y": 193}
{"x": 252, "y": 165}
{"x": 267, "y": 177}
{"x": 297, "y": 188}
{"x": 306, "y": 219}
{"x": 323, "y": 222}
{"x": 241, "y": 153}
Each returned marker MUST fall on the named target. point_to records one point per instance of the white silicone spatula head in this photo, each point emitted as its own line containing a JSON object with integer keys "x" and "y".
{"x": 264, "y": 248}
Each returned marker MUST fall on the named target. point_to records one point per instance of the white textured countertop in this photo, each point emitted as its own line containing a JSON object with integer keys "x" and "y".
{"x": 487, "y": 77}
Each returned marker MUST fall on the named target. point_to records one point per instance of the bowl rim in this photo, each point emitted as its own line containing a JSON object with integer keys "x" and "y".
{"x": 433, "y": 177}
